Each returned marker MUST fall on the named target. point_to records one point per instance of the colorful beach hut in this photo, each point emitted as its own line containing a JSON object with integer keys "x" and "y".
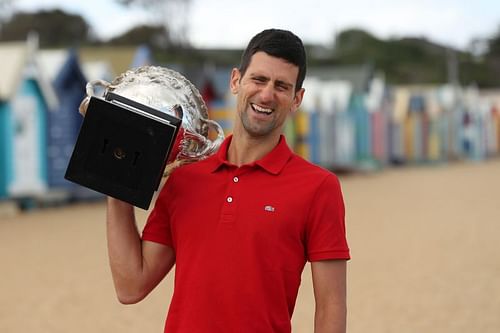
{"x": 63, "y": 69}
{"x": 26, "y": 100}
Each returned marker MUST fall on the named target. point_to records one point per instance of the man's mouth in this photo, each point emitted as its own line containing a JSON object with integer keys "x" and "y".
{"x": 260, "y": 109}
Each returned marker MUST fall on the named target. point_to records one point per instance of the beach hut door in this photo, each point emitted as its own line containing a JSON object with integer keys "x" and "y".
{"x": 26, "y": 154}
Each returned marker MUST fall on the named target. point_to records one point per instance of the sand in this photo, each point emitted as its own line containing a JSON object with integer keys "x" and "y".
{"x": 425, "y": 243}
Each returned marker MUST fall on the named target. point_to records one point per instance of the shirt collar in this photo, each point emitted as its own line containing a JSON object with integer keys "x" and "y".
{"x": 273, "y": 162}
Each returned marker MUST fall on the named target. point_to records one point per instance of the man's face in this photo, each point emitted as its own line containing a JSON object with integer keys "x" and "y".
{"x": 265, "y": 94}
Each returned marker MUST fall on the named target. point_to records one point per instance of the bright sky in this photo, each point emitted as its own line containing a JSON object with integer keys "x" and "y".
{"x": 231, "y": 23}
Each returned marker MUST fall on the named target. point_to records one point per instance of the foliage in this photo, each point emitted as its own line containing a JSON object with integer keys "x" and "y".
{"x": 417, "y": 60}
{"x": 153, "y": 36}
{"x": 55, "y": 28}
{"x": 494, "y": 46}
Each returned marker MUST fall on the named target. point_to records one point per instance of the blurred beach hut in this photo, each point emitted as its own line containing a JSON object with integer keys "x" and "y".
{"x": 379, "y": 105}
{"x": 363, "y": 129}
{"x": 338, "y": 127}
{"x": 12, "y": 62}
{"x": 27, "y": 98}
{"x": 450, "y": 120}
{"x": 213, "y": 83}
{"x": 434, "y": 116}
{"x": 495, "y": 111}
{"x": 397, "y": 151}
{"x": 290, "y": 131}
{"x": 474, "y": 131}
{"x": 308, "y": 139}
{"x": 301, "y": 121}
{"x": 492, "y": 100}
{"x": 62, "y": 68}
{"x": 428, "y": 117}
{"x": 415, "y": 128}
{"x": 347, "y": 135}
{"x": 222, "y": 112}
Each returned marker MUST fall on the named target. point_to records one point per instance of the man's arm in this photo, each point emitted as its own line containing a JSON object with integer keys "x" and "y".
{"x": 329, "y": 283}
{"x": 137, "y": 267}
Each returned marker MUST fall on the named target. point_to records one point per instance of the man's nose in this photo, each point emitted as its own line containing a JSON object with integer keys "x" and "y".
{"x": 267, "y": 93}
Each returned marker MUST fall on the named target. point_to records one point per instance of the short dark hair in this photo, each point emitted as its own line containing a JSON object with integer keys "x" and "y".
{"x": 277, "y": 43}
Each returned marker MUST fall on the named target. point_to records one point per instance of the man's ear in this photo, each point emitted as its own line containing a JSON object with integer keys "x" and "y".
{"x": 234, "y": 82}
{"x": 297, "y": 99}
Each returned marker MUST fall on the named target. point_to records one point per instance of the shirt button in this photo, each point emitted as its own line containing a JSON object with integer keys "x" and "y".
{"x": 229, "y": 199}
{"x": 236, "y": 179}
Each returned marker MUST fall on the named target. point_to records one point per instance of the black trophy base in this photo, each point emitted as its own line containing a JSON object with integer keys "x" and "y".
{"x": 122, "y": 149}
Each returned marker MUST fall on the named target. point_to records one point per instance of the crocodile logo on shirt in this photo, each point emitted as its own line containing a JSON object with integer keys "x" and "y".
{"x": 269, "y": 208}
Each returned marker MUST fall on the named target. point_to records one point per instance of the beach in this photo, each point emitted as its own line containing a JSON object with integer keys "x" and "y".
{"x": 425, "y": 247}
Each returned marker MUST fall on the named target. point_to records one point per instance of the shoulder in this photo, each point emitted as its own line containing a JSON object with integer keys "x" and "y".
{"x": 190, "y": 172}
{"x": 300, "y": 166}
{"x": 309, "y": 179}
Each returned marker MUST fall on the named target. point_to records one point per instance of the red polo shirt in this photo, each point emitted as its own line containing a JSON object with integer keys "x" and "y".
{"x": 242, "y": 236}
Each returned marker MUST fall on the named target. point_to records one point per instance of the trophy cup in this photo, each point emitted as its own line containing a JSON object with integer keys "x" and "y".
{"x": 147, "y": 122}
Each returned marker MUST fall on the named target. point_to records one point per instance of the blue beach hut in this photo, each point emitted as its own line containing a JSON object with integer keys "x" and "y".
{"x": 12, "y": 57}
{"x": 25, "y": 104}
{"x": 64, "y": 122}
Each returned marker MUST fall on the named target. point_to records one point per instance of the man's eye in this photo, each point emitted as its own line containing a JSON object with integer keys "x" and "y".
{"x": 282, "y": 87}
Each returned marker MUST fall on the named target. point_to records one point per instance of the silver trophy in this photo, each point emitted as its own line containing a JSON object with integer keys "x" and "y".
{"x": 163, "y": 89}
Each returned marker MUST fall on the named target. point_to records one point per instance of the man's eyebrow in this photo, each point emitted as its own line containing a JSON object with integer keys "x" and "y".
{"x": 260, "y": 76}
{"x": 277, "y": 82}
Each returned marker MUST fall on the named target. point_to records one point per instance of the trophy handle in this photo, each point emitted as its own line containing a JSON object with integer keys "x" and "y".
{"x": 213, "y": 146}
{"x": 196, "y": 146}
{"x": 177, "y": 111}
{"x": 89, "y": 89}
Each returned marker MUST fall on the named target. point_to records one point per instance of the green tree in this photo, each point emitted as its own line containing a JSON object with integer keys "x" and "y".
{"x": 405, "y": 60}
{"x": 5, "y": 8}
{"x": 55, "y": 28}
{"x": 494, "y": 46}
{"x": 154, "y": 36}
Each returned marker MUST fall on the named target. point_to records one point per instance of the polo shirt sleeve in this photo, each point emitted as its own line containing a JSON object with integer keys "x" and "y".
{"x": 326, "y": 235}
{"x": 157, "y": 228}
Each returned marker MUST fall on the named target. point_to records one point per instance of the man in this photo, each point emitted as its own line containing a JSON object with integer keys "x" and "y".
{"x": 241, "y": 224}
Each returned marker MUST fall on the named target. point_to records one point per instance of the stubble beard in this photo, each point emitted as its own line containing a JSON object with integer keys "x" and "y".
{"x": 256, "y": 129}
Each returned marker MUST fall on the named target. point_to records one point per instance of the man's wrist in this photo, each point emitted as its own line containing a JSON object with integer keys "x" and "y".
{"x": 119, "y": 203}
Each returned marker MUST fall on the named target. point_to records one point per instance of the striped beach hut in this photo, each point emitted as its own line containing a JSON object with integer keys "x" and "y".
{"x": 222, "y": 112}
{"x": 331, "y": 129}
{"x": 397, "y": 149}
{"x": 379, "y": 106}
{"x": 492, "y": 99}
{"x": 450, "y": 119}
{"x": 302, "y": 125}
{"x": 434, "y": 125}
{"x": 342, "y": 127}
{"x": 346, "y": 141}
{"x": 415, "y": 128}
{"x": 495, "y": 114}
{"x": 363, "y": 130}
{"x": 307, "y": 123}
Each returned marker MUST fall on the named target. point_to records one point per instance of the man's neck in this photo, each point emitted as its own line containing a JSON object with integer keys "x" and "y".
{"x": 245, "y": 149}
